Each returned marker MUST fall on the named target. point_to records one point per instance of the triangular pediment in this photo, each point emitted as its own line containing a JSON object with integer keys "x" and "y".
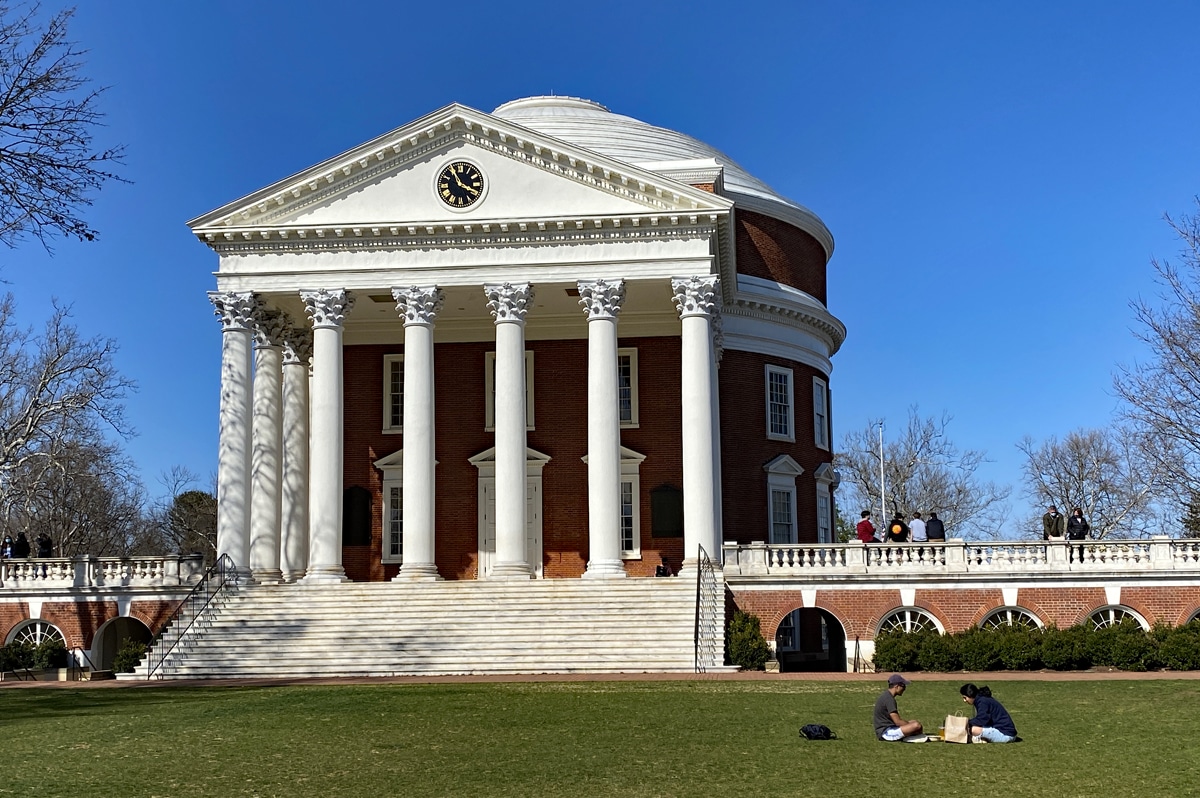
{"x": 388, "y": 186}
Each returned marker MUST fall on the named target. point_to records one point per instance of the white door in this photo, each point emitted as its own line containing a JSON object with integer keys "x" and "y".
{"x": 487, "y": 525}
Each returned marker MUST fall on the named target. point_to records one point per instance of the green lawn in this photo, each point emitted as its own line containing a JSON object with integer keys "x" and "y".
{"x": 686, "y": 738}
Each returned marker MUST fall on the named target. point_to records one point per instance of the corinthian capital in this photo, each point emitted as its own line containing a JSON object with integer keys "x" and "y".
{"x": 601, "y": 299}
{"x": 235, "y": 309}
{"x": 269, "y": 325}
{"x": 327, "y": 308}
{"x": 419, "y": 304}
{"x": 297, "y": 345}
{"x": 696, "y": 296}
{"x": 509, "y": 302}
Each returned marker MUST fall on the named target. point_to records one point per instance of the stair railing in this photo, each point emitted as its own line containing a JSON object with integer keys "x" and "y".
{"x": 76, "y": 667}
{"x": 216, "y": 579}
{"x": 709, "y": 634}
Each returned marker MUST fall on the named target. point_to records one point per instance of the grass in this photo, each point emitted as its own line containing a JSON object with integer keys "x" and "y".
{"x": 686, "y": 738}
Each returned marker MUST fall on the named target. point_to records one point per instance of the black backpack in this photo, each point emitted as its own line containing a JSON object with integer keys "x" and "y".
{"x": 817, "y": 731}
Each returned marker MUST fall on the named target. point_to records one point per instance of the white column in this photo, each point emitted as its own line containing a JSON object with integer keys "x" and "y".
{"x": 717, "y": 551}
{"x": 508, "y": 304}
{"x": 234, "y": 309}
{"x": 266, "y": 448}
{"x": 696, "y": 298}
{"x": 328, "y": 310}
{"x": 297, "y": 349}
{"x": 602, "y": 302}
{"x": 419, "y": 306}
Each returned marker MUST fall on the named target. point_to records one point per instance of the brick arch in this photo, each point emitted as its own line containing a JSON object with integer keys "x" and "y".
{"x": 771, "y": 606}
{"x": 987, "y": 608}
{"x": 1001, "y": 605}
{"x": 1122, "y": 605}
{"x": 919, "y": 604}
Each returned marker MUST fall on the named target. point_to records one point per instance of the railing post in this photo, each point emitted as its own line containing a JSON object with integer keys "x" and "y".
{"x": 753, "y": 559}
{"x": 956, "y": 555}
{"x": 1057, "y": 555}
{"x": 856, "y": 557}
{"x": 80, "y": 563}
{"x": 171, "y": 569}
{"x": 1160, "y": 553}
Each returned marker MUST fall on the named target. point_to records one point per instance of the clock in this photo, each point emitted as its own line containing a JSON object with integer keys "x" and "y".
{"x": 460, "y": 184}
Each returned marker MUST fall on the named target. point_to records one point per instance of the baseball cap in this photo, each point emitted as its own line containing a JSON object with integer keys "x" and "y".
{"x": 895, "y": 679}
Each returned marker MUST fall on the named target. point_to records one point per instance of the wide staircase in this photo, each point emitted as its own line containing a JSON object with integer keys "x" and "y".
{"x": 437, "y": 628}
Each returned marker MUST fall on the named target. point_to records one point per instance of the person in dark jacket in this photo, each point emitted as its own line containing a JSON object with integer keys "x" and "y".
{"x": 897, "y": 530}
{"x": 934, "y": 528}
{"x": 1052, "y": 524}
{"x": 992, "y": 723}
{"x": 1077, "y": 529}
{"x": 21, "y": 547}
{"x": 45, "y": 547}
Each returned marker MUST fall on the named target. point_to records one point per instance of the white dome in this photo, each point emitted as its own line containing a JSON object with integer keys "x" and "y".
{"x": 592, "y": 126}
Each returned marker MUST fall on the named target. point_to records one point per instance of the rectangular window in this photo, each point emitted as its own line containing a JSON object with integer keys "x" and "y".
{"x": 820, "y": 414}
{"x": 393, "y": 522}
{"x": 489, "y": 379}
{"x": 779, "y": 404}
{"x": 627, "y": 386}
{"x": 628, "y": 543}
{"x": 783, "y": 526}
{"x": 393, "y": 393}
{"x": 824, "y": 516}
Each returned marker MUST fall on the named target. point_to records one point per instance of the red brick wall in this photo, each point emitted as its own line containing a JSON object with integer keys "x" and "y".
{"x": 745, "y": 448}
{"x": 774, "y": 250}
{"x": 80, "y": 620}
{"x": 560, "y": 421}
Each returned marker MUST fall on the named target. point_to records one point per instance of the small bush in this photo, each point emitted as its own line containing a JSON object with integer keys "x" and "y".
{"x": 16, "y": 656}
{"x": 937, "y": 652}
{"x": 896, "y": 651}
{"x": 1124, "y": 645}
{"x": 980, "y": 649}
{"x": 50, "y": 653}
{"x": 1020, "y": 649}
{"x": 128, "y": 656}
{"x": 747, "y": 648}
{"x": 1179, "y": 648}
{"x": 1066, "y": 649}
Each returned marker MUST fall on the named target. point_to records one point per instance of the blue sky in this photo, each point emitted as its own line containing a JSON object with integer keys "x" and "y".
{"x": 994, "y": 175}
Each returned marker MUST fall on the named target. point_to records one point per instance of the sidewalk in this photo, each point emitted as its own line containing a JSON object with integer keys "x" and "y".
{"x": 750, "y": 676}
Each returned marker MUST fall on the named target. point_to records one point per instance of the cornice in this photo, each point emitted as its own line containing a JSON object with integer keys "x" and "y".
{"x": 454, "y": 234}
{"x": 449, "y": 125}
{"x": 824, "y": 324}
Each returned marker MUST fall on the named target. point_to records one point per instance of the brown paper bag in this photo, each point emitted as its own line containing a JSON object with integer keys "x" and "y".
{"x": 957, "y": 729}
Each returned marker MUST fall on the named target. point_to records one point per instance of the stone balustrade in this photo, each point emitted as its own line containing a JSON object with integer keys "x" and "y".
{"x": 821, "y": 561}
{"x": 87, "y": 571}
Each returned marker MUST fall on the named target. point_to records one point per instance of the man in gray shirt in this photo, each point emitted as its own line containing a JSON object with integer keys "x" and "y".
{"x": 889, "y": 726}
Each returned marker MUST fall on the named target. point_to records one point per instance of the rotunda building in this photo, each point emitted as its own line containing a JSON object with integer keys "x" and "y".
{"x": 551, "y": 341}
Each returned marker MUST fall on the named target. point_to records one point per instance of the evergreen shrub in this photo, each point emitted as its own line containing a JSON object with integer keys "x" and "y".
{"x": 1179, "y": 648}
{"x": 747, "y": 648}
{"x": 50, "y": 653}
{"x": 16, "y": 656}
{"x": 128, "y": 656}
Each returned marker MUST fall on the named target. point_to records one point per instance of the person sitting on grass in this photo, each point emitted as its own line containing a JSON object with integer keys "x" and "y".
{"x": 889, "y": 726}
{"x": 992, "y": 723}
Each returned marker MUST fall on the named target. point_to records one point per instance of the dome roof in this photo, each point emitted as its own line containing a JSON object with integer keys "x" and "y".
{"x": 592, "y": 126}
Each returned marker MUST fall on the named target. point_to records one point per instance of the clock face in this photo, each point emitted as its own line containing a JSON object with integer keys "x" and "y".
{"x": 460, "y": 184}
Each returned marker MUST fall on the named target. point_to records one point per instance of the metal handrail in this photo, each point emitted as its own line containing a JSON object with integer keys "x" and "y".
{"x": 222, "y": 574}
{"x": 706, "y": 609}
{"x": 75, "y": 668}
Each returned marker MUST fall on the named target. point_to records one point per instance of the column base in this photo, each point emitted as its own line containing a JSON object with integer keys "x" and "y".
{"x": 325, "y": 574}
{"x": 605, "y": 569}
{"x": 267, "y": 576}
{"x": 689, "y": 568}
{"x": 511, "y": 570}
{"x": 418, "y": 572}
{"x": 293, "y": 576}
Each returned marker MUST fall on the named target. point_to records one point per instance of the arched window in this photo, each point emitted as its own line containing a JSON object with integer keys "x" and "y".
{"x": 909, "y": 620}
{"x": 1010, "y": 616}
{"x": 1114, "y": 615}
{"x": 35, "y": 633}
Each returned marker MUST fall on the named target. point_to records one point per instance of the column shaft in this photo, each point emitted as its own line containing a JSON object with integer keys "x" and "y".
{"x": 294, "y": 504}
{"x": 419, "y": 307}
{"x": 327, "y": 309}
{"x": 508, "y": 304}
{"x": 266, "y": 465}
{"x": 233, "y": 448}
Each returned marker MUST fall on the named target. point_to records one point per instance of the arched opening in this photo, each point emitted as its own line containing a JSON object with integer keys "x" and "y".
{"x": 1114, "y": 615}
{"x": 910, "y": 619}
{"x": 810, "y": 640}
{"x": 112, "y": 635}
{"x": 35, "y": 633}
{"x": 1010, "y": 616}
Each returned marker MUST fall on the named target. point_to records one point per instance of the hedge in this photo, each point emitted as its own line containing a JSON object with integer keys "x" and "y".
{"x": 1125, "y": 646}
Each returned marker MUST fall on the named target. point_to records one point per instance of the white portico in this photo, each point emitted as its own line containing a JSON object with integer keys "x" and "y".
{"x": 369, "y": 249}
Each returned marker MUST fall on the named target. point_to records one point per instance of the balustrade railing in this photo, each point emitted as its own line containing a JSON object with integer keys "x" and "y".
{"x": 710, "y": 636}
{"x": 87, "y": 571}
{"x": 813, "y": 560}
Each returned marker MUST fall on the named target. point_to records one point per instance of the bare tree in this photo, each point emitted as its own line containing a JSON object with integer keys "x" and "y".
{"x": 1105, "y": 473}
{"x": 1162, "y": 394}
{"x": 48, "y": 112}
{"x": 925, "y": 471}
{"x": 60, "y": 395}
{"x": 85, "y": 495}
